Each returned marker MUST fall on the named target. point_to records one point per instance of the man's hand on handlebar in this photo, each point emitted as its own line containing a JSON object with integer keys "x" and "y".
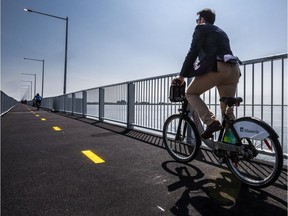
{"x": 179, "y": 80}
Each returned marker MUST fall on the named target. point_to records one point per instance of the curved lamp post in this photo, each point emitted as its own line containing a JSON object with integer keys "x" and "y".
{"x": 34, "y": 80}
{"x": 41, "y": 60}
{"x": 66, "y": 42}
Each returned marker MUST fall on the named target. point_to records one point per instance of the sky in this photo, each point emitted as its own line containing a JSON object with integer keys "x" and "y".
{"x": 114, "y": 41}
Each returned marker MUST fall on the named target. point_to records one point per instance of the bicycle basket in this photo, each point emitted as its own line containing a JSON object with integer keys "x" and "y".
{"x": 177, "y": 93}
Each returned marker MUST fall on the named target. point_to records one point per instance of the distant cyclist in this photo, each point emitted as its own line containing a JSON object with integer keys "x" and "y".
{"x": 38, "y": 100}
{"x": 217, "y": 67}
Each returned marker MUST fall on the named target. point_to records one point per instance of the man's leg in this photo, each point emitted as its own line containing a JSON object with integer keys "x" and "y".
{"x": 197, "y": 87}
{"x": 228, "y": 86}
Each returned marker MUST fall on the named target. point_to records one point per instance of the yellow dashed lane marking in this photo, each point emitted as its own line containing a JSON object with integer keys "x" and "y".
{"x": 43, "y": 119}
{"x": 95, "y": 158}
{"x": 37, "y": 115}
{"x": 56, "y": 128}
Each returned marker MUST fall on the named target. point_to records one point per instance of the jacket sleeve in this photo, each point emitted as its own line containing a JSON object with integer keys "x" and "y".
{"x": 188, "y": 65}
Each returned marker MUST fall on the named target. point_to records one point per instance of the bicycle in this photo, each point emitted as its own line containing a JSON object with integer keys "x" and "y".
{"x": 249, "y": 146}
{"x": 38, "y": 104}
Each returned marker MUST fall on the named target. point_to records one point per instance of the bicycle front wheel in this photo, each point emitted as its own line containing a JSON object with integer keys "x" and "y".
{"x": 181, "y": 138}
{"x": 262, "y": 157}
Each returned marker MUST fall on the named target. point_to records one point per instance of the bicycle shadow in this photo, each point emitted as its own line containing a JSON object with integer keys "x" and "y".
{"x": 224, "y": 195}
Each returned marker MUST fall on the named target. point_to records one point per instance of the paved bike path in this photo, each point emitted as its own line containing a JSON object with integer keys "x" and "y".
{"x": 44, "y": 172}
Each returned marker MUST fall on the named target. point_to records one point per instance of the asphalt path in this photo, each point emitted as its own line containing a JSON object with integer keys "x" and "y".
{"x": 44, "y": 171}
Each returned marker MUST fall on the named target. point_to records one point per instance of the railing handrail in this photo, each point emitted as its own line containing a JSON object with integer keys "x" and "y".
{"x": 256, "y": 60}
{"x": 267, "y": 58}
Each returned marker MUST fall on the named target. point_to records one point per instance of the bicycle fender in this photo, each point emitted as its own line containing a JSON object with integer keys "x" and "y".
{"x": 254, "y": 128}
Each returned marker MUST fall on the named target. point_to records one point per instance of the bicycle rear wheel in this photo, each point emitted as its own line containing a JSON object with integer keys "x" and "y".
{"x": 181, "y": 138}
{"x": 262, "y": 158}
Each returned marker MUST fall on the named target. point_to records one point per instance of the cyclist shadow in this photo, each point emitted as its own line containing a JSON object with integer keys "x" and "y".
{"x": 224, "y": 195}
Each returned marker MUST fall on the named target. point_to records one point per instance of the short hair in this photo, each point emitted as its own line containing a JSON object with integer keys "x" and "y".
{"x": 208, "y": 15}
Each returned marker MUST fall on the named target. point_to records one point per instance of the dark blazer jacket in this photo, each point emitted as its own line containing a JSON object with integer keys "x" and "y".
{"x": 209, "y": 44}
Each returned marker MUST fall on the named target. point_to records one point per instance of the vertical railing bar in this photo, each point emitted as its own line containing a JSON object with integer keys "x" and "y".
{"x": 143, "y": 104}
{"x": 122, "y": 96}
{"x": 139, "y": 102}
{"x": 119, "y": 97}
{"x": 236, "y": 111}
{"x": 159, "y": 101}
{"x": 210, "y": 99}
{"x": 157, "y": 119}
{"x": 145, "y": 123}
{"x": 244, "y": 89}
{"x": 154, "y": 101}
{"x": 262, "y": 90}
{"x": 116, "y": 95}
{"x": 151, "y": 103}
{"x": 272, "y": 93}
{"x": 136, "y": 103}
{"x": 253, "y": 88}
{"x": 140, "y": 109}
{"x": 282, "y": 103}
{"x": 124, "y": 106}
{"x": 165, "y": 96}
{"x": 125, "y": 98}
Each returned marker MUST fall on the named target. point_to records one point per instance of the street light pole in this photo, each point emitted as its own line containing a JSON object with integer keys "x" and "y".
{"x": 26, "y": 92}
{"x": 34, "y": 80}
{"x": 66, "y": 42}
{"x": 30, "y": 87}
{"x": 42, "y": 71}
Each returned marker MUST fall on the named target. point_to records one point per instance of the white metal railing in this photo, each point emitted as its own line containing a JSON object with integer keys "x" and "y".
{"x": 145, "y": 104}
{"x": 7, "y": 103}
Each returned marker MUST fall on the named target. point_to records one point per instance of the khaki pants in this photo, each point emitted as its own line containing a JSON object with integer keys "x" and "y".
{"x": 225, "y": 80}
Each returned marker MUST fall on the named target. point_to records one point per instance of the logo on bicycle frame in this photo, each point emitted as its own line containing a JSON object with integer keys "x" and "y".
{"x": 245, "y": 130}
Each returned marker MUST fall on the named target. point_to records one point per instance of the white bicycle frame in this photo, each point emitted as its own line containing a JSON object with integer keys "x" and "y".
{"x": 244, "y": 129}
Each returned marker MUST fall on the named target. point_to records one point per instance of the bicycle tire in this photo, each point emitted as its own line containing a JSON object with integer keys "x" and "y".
{"x": 185, "y": 147}
{"x": 259, "y": 139}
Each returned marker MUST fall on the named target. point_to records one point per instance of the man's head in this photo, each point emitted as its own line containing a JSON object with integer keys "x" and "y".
{"x": 208, "y": 15}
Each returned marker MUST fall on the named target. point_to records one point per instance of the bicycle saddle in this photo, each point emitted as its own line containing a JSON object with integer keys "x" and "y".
{"x": 231, "y": 101}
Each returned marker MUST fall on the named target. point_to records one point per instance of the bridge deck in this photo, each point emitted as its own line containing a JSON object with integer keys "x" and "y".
{"x": 45, "y": 172}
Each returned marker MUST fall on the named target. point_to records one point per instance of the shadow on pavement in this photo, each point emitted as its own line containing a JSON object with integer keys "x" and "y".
{"x": 224, "y": 195}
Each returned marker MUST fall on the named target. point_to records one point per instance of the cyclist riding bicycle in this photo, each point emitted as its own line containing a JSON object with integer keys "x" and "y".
{"x": 38, "y": 99}
{"x": 212, "y": 63}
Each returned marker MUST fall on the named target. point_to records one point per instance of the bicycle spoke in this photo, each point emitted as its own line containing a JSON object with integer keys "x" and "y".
{"x": 175, "y": 138}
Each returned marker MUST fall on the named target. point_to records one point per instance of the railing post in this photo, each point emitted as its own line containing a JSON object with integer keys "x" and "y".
{"x": 73, "y": 104}
{"x": 131, "y": 106}
{"x": 84, "y": 103}
{"x": 65, "y": 103}
{"x": 101, "y": 103}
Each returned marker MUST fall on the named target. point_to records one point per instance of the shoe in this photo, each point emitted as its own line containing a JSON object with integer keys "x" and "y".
{"x": 215, "y": 126}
